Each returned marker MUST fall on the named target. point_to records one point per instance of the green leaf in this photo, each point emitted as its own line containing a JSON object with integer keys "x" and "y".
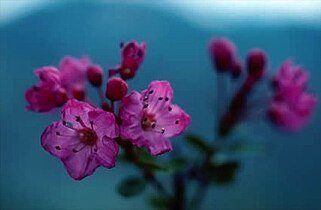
{"x": 223, "y": 173}
{"x": 158, "y": 202}
{"x": 198, "y": 143}
{"x": 176, "y": 165}
{"x": 248, "y": 148}
{"x": 131, "y": 186}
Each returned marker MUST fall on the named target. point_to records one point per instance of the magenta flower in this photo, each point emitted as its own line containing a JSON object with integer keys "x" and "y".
{"x": 291, "y": 106}
{"x": 149, "y": 119}
{"x": 73, "y": 74}
{"x": 83, "y": 139}
{"x": 132, "y": 56}
{"x": 48, "y": 94}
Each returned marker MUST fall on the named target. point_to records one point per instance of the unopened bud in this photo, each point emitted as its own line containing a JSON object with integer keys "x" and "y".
{"x": 78, "y": 92}
{"x": 222, "y": 52}
{"x": 95, "y": 75}
{"x": 256, "y": 61}
{"x": 116, "y": 89}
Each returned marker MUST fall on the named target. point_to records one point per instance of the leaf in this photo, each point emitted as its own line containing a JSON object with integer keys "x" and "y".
{"x": 131, "y": 186}
{"x": 223, "y": 173}
{"x": 176, "y": 165}
{"x": 198, "y": 143}
{"x": 248, "y": 148}
{"x": 158, "y": 202}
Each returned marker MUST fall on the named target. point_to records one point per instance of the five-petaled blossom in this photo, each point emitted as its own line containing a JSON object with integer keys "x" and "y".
{"x": 291, "y": 106}
{"x": 149, "y": 118}
{"x": 83, "y": 139}
{"x": 48, "y": 93}
{"x": 132, "y": 56}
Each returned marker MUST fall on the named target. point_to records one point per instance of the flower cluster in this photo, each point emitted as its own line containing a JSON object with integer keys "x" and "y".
{"x": 289, "y": 108}
{"x": 88, "y": 137}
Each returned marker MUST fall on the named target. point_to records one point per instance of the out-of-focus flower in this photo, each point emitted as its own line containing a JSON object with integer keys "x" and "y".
{"x": 256, "y": 62}
{"x": 132, "y": 56}
{"x": 116, "y": 89}
{"x": 222, "y": 52}
{"x": 95, "y": 75}
{"x": 48, "y": 94}
{"x": 73, "y": 74}
{"x": 149, "y": 119}
{"x": 83, "y": 139}
{"x": 291, "y": 106}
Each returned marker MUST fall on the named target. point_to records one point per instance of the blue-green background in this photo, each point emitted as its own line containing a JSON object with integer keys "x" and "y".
{"x": 288, "y": 177}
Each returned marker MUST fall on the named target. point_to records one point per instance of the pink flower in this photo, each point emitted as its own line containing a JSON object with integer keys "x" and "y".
{"x": 149, "y": 119}
{"x": 290, "y": 75}
{"x": 48, "y": 94}
{"x": 133, "y": 55}
{"x": 291, "y": 106}
{"x": 83, "y": 139}
{"x": 73, "y": 73}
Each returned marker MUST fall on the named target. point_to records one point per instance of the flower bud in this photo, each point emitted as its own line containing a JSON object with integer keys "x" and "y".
{"x": 61, "y": 97}
{"x": 78, "y": 92}
{"x": 95, "y": 75}
{"x": 256, "y": 61}
{"x": 116, "y": 89}
{"x": 222, "y": 52}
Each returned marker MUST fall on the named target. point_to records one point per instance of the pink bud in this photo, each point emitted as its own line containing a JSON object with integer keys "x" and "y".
{"x": 95, "y": 75}
{"x": 116, "y": 89}
{"x": 61, "y": 97}
{"x": 222, "y": 52}
{"x": 256, "y": 61}
{"x": 78, "y": 92}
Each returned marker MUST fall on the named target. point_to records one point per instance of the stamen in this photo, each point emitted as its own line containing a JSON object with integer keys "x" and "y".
{"x": 151, "y": 91}
{"x": 92, "y": 125}
{"x": 153, "y": 125}
{"x": 166, "y": 98}
{"x": 169, "y": 108}
{"x": 176, "y": 122}
{"x": 163, "y": 130}
{"x": 63, "y": 135}
{"x": 160, "y": 98}
{"x": 74, "y": 150}
{"x": 145, "y": 106}
{"x": 145, "y": 98}
{"x": 78, "y": 119}
{"x": 58, "y": 148}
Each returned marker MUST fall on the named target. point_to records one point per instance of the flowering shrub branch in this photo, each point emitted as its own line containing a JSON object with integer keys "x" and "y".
{"x": 142, "y": 123}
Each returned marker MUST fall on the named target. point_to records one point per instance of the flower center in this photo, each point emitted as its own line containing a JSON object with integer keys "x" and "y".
{"x": 87, "y": 136}
{"x": 148, "y": 121}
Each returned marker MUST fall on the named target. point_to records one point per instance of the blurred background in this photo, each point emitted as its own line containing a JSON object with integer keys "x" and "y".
{"x": 36, "y": 33}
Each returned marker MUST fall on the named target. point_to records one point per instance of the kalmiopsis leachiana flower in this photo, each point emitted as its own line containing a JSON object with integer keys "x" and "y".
{"x": 291, "y": 105}
{"x": 132, "y": 56}
{"x": 88, "y": 137}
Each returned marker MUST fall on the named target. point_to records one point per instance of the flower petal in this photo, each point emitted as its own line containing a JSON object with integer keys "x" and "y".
{"x": 158, "y": 96}
{"x": 131, "y": 114}
{"x": 158, "y": 146}
{"x": 81, "y": 164}
{"x": 59, "y": 140}
{"x": 74, "y": 109}
{"x": 107, "y": 152}
{"x": 174, "y": 121}
{"x": 103, "y": 123}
